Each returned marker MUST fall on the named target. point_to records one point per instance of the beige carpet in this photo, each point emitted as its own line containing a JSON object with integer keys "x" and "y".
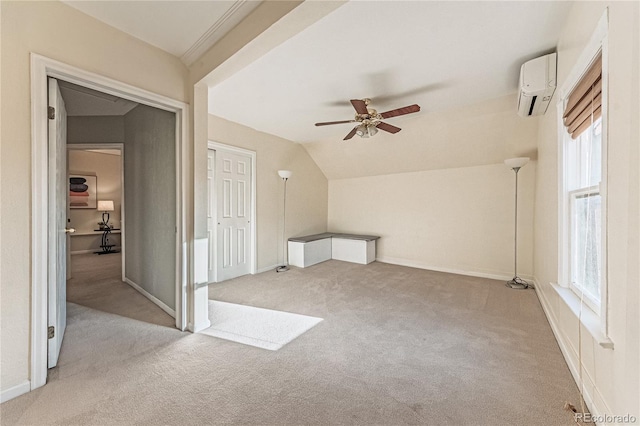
{"x": 97, "y": 283}
{"x": 397, "y": 346}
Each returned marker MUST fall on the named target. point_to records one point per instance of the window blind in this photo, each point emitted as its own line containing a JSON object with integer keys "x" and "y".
{"x": 584, "y": 105}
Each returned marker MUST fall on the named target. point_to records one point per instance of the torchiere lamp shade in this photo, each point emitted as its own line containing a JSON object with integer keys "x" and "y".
{"x": 517, "y": 162}
{"x": 285, "y": 174}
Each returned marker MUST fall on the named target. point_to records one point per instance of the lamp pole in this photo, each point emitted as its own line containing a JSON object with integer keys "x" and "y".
{"x": 285, "y": 175}
{"x": 516, "y": 282}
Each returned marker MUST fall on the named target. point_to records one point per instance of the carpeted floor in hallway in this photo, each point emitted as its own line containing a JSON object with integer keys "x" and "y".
{"x": 96, "y": 282}
{"x": 397, "y": 346}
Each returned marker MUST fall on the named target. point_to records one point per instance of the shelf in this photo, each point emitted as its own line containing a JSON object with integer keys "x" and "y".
{"x": 85, "y": 234}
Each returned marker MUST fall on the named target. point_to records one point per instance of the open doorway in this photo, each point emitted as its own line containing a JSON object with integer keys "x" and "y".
{"x": 98, "y": 168}
{"x": 100, "y": 274}
{"x": 154, "y": 146}
{"x": 96, "y": 272}
{"x": 123, "y": 153}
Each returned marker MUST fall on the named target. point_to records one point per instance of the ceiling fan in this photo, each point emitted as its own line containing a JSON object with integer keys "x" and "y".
{"x": 370, "y": 119}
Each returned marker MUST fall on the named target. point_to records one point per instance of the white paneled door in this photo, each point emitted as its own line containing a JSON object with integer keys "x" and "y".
{"x": 58, "y": 191}
{"x": 230, "y": 201}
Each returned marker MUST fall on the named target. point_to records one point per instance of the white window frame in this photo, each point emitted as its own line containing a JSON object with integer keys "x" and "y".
{"x": 598, "y": 44}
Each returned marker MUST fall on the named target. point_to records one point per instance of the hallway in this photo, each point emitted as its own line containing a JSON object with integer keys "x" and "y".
{"x": 96, "y": 283}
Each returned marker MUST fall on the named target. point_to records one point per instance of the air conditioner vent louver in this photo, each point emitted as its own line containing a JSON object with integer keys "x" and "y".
{"x": 533, "y": 104}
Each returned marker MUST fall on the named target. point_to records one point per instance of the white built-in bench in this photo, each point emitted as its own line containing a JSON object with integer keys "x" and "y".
{"x": 311, "y": 249}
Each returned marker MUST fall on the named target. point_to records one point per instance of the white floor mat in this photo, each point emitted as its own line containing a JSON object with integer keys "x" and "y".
{"x": 258, "y": 327}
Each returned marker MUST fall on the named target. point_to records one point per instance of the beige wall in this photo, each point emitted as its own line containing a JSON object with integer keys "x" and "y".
{"x": 458, "y": 219}
{"x": 306, "y": 190}
{"x": 57, "y": 31}
{"x": 438, "y": 193}
{"x": 91, "y": 243}
{"x": 611, "y": 376}
{"x": 108, "y": 169}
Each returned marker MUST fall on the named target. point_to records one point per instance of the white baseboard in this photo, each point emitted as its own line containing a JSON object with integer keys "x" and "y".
{"x": 571, "y": 357}
{"x": 90, "y": 251}
{"x": 82, "y": 252}
{"x": 151, "y": 297}
{"x": 15, "y": 391}
{"x": 259, "y": 271}
{"x": 202, "y": 326}
{"x": 268, "y": 268}
{"x": 421, "y": 265}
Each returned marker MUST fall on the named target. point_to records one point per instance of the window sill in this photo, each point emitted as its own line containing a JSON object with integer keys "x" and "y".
{"x": 590, "y": 321}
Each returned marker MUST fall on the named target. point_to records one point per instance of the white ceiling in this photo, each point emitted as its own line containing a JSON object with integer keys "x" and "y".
{"x": 439, "y": 55}
{"x": 81, "y": 101}
{"x": 183, "y": 28}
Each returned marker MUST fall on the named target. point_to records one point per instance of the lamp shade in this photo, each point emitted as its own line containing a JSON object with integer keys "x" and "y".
{"x": 285, "y": 174}
{"x": 105, "y": 205}
{"x": 517, "y": 162}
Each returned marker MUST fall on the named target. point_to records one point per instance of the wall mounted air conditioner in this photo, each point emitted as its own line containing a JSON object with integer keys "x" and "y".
{"x": 537, "y": 84}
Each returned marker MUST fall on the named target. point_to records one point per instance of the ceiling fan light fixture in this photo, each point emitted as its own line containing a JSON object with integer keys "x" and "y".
{"x": 369, "y": 119}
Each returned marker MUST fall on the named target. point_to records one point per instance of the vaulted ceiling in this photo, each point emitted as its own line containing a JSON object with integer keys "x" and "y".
{"x": 438, "y": 54}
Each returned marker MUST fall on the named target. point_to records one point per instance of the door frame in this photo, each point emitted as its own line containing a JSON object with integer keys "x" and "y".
{"x": 123, "y": 224}
{"x": 217, "y": 146}
{"x": 42, "y": 68}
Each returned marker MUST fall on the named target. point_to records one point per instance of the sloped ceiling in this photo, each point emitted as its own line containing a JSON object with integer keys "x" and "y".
{"x": 81, "y": 101}
{"x": 441, "y": 55}
{"x": 480, "y": 134}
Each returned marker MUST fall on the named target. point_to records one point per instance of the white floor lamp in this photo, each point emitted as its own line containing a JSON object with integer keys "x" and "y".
{"x": 285, "y": 175}
{"x": 516, "y": 282}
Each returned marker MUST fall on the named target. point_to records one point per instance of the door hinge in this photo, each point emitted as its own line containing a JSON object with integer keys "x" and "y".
{"x": 51, "y": 332}
{"x": 51, "y": 112}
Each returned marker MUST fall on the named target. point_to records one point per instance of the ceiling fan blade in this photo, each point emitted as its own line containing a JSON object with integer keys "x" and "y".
{"x": 327, "y": 123}
{"x": 351, "y": 133}
{"x": 360, "y": 106}
{"x": 401, "y": 111}
{"x": 388, "y": 127}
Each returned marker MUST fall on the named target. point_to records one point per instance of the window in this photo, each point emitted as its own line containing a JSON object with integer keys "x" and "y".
{"x": 583, "y": 165}
{"x": 583, "y": 190}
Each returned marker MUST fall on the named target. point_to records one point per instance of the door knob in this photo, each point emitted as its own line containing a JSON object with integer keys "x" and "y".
{"x": 69, "y": 230}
